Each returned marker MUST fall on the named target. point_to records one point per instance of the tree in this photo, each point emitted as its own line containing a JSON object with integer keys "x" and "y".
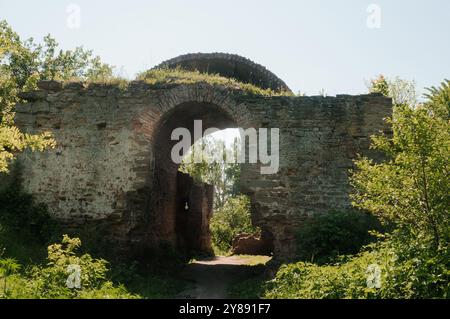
{"x": 411, "y": 187}
{"x": 208, "y": 161}
{"x": 379, "y": 85}
{"x": 231, "y": 219}
{"x": 401, "y": 91}
{"x": 22, "y": 65}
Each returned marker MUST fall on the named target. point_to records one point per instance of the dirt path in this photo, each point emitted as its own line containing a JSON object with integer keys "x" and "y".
{"x": 212, "y": 277}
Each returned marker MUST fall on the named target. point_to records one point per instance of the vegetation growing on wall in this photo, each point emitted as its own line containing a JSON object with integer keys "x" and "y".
{"x": 167, "y": 77}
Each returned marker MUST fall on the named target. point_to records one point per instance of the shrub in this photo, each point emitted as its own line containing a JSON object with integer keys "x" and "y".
{"x": 26, "y": 227}
{"x": 249, "y": 288}
{"x": 407, "y": 270}
{"x": 19, "y": 213}
{"x": 52, "y": 280}
{"x": 410, "y": 189}
{"x": 230, "y": 220}
{"x": 411, "y": 186}
{"x": 107, "y": 291}
{"x": 325, "y": 236}
{"x": 8, "y": 266}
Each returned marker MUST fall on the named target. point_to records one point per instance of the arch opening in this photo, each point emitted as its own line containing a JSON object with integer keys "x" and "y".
{"x": 182, "y": 207}
{"x": 182, "y": 204}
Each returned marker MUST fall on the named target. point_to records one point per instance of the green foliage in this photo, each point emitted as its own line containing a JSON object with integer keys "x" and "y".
{"x": 21, "y": 245}
{"x": 410, "y": 190}
{"x": 230, "y": 220}
{"x": 150, "y": 280}
{"x": 166, "y": 77}
{"x": 22, "y": 65}
{"x": 401, "y": 91}
{"x": 439, "y": 97}
{"x": 51, "y": 280}
{"x": 209, "y": 161}
{"x": 323, "y": 237}
{"x": 21, "y": 215}
{"x": 379, "y": 85}
{"x": 12, "y": 141}
{"x": 411, "y": 187}
{"x": 47, "y": 279}
{"x": 155, "y": 285}
{"x": 407, "y": 270}
{"x": 251, "y": 288}
{"x": 28, "y": 62}
{"x": 8, "y": 266}
{"x": 25, "y": 227}
{"x": 107, "y": 290}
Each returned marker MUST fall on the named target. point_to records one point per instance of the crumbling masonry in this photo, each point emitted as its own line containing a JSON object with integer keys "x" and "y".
{"x": 112, "y": 166}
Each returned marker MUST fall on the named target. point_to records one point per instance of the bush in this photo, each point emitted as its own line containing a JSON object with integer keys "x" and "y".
{"x": 407, "y": 270}
{"x": 230, "y": 220}
{"x": 249, "y": 288}
{"x": 410, "y": 189}
{"x": 410, "y": 186}
{"x": 26, "y": 227}
{"x": 19, "y": 213}
{"x": 323, "y": 237}
{"x": 53, "y": 279}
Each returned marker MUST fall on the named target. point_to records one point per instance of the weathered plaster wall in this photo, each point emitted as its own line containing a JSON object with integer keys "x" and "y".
{"x": 109, "y": 154}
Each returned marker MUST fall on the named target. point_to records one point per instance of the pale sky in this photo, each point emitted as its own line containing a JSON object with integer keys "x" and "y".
{"x": 313, "y": 46}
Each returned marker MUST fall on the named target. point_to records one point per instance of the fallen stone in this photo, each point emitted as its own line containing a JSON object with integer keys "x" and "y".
{"x": 251, "y": 244}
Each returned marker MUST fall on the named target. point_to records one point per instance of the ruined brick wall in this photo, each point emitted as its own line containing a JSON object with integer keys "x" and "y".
{"x": 194, "y": 211}
{"x": 110, "y": 164}
{"x": 319, "y": 139}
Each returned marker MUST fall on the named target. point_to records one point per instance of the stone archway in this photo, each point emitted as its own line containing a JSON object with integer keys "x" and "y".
{"x": 182, "y": 206}
{"x": 164, "y": 192}
{"x": 110, "y": 145}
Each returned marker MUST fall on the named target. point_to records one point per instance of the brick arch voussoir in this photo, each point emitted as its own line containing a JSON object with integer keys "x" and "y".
{"x": 169, "y": 99}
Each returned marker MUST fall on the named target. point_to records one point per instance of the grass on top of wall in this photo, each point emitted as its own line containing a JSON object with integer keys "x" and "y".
{"x": 162, "y": 77}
